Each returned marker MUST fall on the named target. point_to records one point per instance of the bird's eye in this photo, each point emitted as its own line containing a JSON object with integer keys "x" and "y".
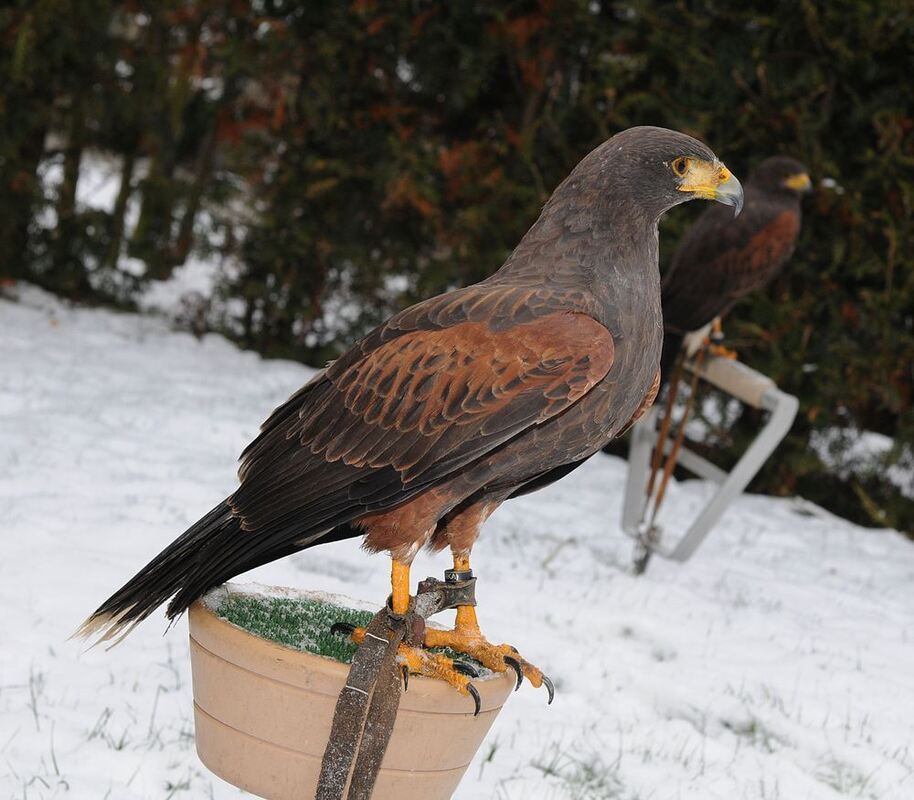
{"x": 680, "y": 166}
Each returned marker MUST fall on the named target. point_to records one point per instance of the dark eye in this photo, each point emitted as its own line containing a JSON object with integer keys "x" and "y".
{"x": 680, "y": 166}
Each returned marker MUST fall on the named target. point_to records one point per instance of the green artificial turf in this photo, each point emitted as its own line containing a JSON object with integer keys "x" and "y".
{"x": 304, "y": 624}
{"x": 301, "y": 623}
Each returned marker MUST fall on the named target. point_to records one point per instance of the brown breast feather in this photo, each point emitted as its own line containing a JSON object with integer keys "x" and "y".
{"x": 755, "y": 264}
{"x": 719, "y": 267}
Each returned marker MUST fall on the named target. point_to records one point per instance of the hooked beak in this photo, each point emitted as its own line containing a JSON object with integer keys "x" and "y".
{"x": 713, "y": 181}
{"x": 730, "y": 193}
{"x": 800, "y": 182}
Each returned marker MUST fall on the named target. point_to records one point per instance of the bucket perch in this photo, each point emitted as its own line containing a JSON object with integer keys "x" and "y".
{"x": 263, "y": 712}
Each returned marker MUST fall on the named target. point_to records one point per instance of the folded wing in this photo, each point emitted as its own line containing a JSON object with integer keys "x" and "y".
{"x": 439, "y": 386}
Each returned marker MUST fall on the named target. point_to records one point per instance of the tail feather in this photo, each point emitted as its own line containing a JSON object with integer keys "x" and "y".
{"x": 157, "y": 581}
{"x": 210, "y": 552}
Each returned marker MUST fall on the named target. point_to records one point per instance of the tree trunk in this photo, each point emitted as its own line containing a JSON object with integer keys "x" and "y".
{"x": 202, "y": 174}
{"x": 151, "y": 239}
{"x": 120, "y": 211}
{"x": 19, "y": 184}
{"x": 67, "y": 250}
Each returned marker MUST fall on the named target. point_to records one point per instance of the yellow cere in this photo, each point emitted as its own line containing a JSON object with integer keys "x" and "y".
{"x": 799, "y": 182}
{"x": 703, "y": 177}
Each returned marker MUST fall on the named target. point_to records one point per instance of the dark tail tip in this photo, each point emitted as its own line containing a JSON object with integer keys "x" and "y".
{"x": 161, "y": 578}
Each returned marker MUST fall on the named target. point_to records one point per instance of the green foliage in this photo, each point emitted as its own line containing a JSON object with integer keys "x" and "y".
{"x": 354, "y": 157}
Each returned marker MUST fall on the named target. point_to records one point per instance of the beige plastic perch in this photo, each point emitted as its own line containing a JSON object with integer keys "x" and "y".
{"x": 263, "y": 712}
{"x": 749, "y": 387}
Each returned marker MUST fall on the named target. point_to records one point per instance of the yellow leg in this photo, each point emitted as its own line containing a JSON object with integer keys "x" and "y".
{"x": 399, "y": 597}
{"x": 715, "y": 348}
{"x": 466, "y": 615}
{"x": 466, "y": 637}
{"x": 399, "y": 582}
{"x": 416, "y": 660}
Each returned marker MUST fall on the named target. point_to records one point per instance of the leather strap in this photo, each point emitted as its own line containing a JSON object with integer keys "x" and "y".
{"x": 367, "y": 706}
{"x": 352, "y": 730}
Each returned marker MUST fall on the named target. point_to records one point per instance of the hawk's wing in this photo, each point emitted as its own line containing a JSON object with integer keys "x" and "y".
{"x": 438, "y": 386}
{"x": 721, "y": 260}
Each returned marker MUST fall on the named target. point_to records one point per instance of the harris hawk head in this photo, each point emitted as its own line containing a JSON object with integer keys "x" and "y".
{"x": 645, "y": 171}
{"x": 721, "y": 260}
{"x": 417, "y": 433}
{"x": 781, "y": 175}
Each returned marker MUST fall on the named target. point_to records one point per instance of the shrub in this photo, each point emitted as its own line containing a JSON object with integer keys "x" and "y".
{"x": 353, "y": 157}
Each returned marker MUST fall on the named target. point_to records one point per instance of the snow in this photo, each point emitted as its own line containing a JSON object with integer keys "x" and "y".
{"x": 214, "y": 598}
{"x": 196, "y": 277}
{"x": 98, "y": 185}
{"x": 190, "y": 293}
{"x": 850, "y": 451}
{"x": 776, "y": 664}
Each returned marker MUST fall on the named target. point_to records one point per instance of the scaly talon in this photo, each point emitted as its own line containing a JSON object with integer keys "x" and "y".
{"x": 537, "y": 678}
{"x": 466, "y": 638}
{"x": 515, "y": 665}
{"x": 720, "y": 351}
{"x": 419, "y": 661}
{"x": 466, "y": 668}
{"x": 356, "y": 634}
{"x": 476, "y": 699}
{"x": 549, "y": 688}
{"x": 342, "y": 627}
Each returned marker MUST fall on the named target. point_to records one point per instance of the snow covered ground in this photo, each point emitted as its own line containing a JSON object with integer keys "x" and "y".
{"x": 779, "y": 663}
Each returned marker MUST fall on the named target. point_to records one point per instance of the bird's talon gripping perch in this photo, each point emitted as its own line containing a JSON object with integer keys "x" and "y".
{"x": 344, "y": 628}
{"x": 466, "y": 668}
{"x": 354, "y": 632}
{"x": 476, "y": 699}
{"x": 405, "y": 671}
{"x": 720, "y": 351}
{"x": 515, "y": 665}
{"x": 550, "y": 687}
{"x": 419, "y": 661}
{"x": 498, "y": 658}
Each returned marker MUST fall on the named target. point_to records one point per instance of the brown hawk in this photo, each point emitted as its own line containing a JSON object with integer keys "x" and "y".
{"x": 415, "y": 435}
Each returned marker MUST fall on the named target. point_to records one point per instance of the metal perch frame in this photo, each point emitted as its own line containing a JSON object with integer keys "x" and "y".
{"x": 746, "y": 385}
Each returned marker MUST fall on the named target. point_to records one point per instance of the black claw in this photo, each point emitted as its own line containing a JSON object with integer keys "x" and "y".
{"x": 405, "y": 670}
{"x": 465, "y": 668}
{"x": 515, "y": 665}
{"x": 549, "y": 688}
{"x": 342, "y": 627}
{"x": 476, "y": 699}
